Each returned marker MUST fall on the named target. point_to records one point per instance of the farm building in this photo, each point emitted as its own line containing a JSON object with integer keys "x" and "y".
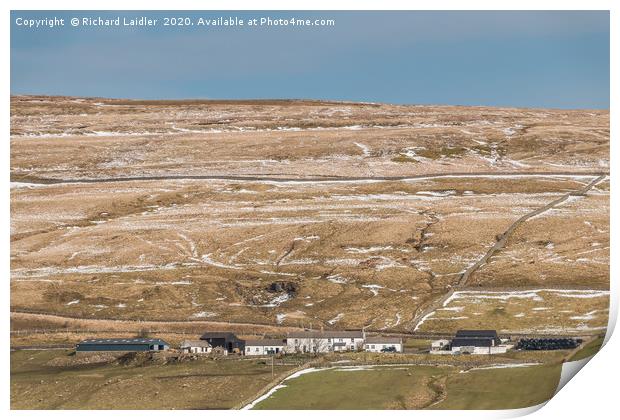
{"x": 122, "y": 344}
{"x": 440, "y": 345}
{"x": 264, "y": 347}
{"x": 323, "y": 342}
{"x": 471, "y": 342}
{"x": 195, "y": 346}
{"x": 226, "y": 340}
{"x": 383, "y": 344}
{"x": 478, "y": 334}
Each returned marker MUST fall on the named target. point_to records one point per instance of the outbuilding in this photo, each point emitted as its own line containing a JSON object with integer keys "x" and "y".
{"x": 380, "y": 344}
{"x": 195, "y": 346}
{"x": 264, "y": 346}
{"x": 122, "y": 344}
{"x": 440, "y": 345}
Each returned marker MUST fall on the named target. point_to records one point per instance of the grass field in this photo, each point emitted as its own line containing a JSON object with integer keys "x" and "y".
{"x": 398, "y": 387}
{"x": 37, "y": 382}
{"x": 492, "y": 389}
{"x": 590, "y": 349}
{"x": 416, "y": 387}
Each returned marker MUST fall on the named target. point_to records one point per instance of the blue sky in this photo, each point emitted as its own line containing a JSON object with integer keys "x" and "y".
{"x": 523, "y": 59}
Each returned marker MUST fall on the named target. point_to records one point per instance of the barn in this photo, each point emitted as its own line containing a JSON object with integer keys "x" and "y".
{"x": 122, "y": 344}
{"x": 477, "y": 342}
{"x": 479, "y": 334}
{"x": 226, "y": 340}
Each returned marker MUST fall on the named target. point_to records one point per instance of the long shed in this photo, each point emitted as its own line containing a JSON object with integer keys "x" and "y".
{"x": 122, "y": 344}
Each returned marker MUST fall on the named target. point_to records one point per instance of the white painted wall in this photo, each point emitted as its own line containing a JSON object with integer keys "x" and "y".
{"x": 262, "y": 350}
{"x": 322, "y": 345}
{"x": 482, "y": 350}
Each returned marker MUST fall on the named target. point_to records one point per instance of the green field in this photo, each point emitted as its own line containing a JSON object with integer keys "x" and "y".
{"x": 590, "y": 349}
{"x": 197, "y": 384}
{"x": 416, "y": 387}
{"x": 394, "y": 387}
{"x": 494, "y": 389}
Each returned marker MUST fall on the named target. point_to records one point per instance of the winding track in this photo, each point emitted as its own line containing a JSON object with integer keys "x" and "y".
{"x": 501, "y": 242}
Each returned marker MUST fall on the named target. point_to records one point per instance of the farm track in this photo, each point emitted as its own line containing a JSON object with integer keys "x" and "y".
{"x": 503, "y": 238}
{"x": 258, "y": 178}
{"x": 501, "y": 242}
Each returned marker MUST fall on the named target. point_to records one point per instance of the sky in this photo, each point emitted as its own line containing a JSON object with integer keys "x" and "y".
{"x": 518, "y": 59}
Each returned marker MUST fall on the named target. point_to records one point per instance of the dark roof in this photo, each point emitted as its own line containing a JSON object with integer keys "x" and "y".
{"x": 124, "y": 341}
{"x": 265, "y": 342}
{"x": 472, "y": 342}
{"x": 228, "y": 336}
{"x": 326, "y": 334}
{"x": 477, "y": 333}
{"x": 384, "y": 340}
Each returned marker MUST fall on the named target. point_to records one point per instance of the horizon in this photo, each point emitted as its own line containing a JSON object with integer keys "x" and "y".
{"x": 317, "y": 100}
{"x": 516, "y": 59}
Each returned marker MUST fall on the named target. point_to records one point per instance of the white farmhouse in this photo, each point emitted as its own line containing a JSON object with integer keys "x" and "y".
{"x": 195, "y": 346}
{"x": 264, "y": 347}
{"x": 383, "y": 344}
{"x": 323, "y": 342}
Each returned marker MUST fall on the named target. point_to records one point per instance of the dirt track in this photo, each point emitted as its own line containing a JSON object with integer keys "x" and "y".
{"x": 258, "y": 178}
{"x": 501, "y": 242}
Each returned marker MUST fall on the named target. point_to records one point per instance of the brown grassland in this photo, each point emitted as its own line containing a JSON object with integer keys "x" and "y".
{"x": 262, "y": 217}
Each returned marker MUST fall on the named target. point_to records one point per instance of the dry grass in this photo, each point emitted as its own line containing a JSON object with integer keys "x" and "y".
{"x": 47, "y": 380}
{"x": 354, "y": 253}
{"x": 525, "y": 311}
{"x": 111, "y": 138}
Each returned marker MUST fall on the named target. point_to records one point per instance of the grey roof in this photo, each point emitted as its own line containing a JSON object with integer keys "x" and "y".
{"x": 194, "y": 343}
{"x": 326, "y": 334}
{"x": 477, "y": 333}
{"x": 384, "y": 340}
{"x": 265, "y": 342}
{"x": 123, "y": 341}
{"x": 225, "y": 335}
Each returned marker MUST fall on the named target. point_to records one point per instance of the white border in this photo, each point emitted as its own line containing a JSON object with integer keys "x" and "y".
{"x": 594, "y": 392}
